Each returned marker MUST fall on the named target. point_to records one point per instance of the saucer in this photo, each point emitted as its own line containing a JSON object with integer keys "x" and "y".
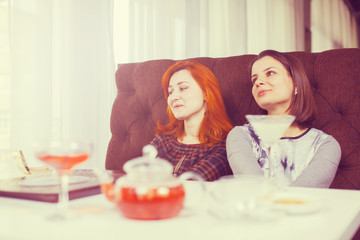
{"x": 293, "y": 203}
{"x": 49, "y": 180}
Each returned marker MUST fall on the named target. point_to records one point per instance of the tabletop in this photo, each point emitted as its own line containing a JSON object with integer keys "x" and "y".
{"x": 338, "y": 217}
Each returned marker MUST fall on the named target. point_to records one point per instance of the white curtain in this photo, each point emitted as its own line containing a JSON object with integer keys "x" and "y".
{"x": 62, "y": 78}
{"x": 180, "y": 29}
{"x": 57, "y": 69}
{"x": 332, "y": 26}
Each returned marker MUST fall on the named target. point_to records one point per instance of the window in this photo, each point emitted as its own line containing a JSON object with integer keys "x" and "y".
{"x": 5, "y": 80}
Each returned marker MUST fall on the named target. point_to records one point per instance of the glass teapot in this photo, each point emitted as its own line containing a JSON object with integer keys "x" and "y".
{"x": 149, "y": 191}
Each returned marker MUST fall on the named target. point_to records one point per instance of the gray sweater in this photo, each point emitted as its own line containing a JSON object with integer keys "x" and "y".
{"x": 308, "y": 160}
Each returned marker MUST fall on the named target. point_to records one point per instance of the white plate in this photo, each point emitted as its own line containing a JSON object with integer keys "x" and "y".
{"x": 293, "y": 203}
{"x": 49, "y": 180}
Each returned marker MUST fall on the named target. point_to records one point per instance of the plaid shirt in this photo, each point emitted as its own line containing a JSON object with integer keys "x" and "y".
{"x": 209, "y": 162}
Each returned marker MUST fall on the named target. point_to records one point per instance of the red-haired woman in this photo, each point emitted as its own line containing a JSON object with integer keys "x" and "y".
{"x": 194, "y": 139}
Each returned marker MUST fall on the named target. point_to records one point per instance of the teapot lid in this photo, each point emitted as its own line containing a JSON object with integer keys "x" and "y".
{"x": 148, "y": 163}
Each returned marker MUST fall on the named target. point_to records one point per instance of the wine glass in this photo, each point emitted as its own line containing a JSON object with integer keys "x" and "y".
{"x": 270, "y": 128}
{"x": 63, "y": 156}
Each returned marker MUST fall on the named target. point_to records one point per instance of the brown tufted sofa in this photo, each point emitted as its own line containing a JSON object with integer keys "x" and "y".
{"x": 334, "y": 76}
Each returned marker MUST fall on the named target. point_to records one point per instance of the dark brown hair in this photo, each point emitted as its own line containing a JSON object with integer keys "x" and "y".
{"x": 302, "y": 104}
{"x": 216, "y": 123}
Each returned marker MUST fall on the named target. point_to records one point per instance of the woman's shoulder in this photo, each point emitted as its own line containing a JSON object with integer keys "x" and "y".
{"x": 321, "y": 134}
{"x": 241, "y": 134}
{"x": 321, "y": 137}
{"x": 238, "y": 131}
{"x": 327, "y": 143}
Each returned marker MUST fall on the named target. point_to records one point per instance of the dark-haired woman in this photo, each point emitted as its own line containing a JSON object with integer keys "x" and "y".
{"x": 304, "y": 156}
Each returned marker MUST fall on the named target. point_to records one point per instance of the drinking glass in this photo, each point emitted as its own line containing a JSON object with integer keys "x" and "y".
{"x": 270, "y": 128}
{"x": 63, "y": 156}
{"x": 241, "y": 197}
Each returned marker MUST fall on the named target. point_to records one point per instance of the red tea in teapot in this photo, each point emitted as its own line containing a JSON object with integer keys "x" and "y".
{"x": 108, "y": 190}
{"x": 150, "y": 203}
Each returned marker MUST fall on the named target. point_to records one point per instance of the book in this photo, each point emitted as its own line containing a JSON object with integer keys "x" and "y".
{"x": 45, "y": 187}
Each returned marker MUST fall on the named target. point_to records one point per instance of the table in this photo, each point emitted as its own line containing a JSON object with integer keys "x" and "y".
{"x": 98, "y": 219}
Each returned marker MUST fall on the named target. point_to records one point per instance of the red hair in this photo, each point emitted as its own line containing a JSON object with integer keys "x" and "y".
{"x": 216, "y": 123}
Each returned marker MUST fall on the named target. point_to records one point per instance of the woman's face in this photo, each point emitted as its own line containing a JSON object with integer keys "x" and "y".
{"x": 273, "y": 87}
{"x": 186, "y": 99}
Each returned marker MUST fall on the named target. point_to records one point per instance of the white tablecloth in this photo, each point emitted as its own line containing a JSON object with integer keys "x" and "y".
{"x": 338, "y": 218}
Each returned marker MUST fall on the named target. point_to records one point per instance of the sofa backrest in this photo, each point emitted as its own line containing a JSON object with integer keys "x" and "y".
{"x": 334, "y": 76}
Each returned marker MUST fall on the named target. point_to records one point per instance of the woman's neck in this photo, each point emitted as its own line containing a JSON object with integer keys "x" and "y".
{"x": 277, "y": 111}
{"x": 191, "y": 131}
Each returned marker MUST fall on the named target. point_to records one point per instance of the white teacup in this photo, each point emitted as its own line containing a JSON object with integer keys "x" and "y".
{"x": 243, "y": 195}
